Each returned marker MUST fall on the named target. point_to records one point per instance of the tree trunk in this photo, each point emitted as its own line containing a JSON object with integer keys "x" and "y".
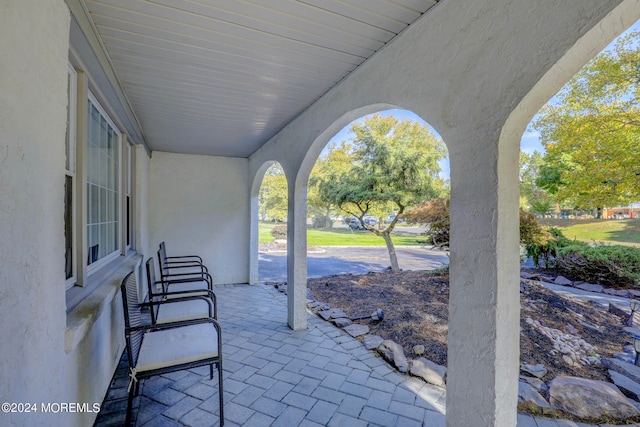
{"x": 393, "y": 258}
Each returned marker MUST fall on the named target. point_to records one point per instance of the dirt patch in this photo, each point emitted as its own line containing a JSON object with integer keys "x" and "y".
{"x": 416, "y": 310}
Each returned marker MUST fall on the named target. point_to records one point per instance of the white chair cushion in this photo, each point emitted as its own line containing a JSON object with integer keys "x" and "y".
{"x": 176, "y": 346}
{"x": 182, "y": 310}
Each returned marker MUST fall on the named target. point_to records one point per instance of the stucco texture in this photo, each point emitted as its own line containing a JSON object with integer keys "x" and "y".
{"x": 33, "y": 83}
{"x": 199, "y": 205}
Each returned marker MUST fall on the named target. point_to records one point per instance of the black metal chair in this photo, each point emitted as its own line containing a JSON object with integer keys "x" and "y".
{"x": 185, "y": 280}
{"x": 170, "y": 306}
{"x": 162, "y": 348}
{"x": 193, "y": 262}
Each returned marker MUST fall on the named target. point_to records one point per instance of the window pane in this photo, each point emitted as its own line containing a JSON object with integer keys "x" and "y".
{"x": 102, "y": 187}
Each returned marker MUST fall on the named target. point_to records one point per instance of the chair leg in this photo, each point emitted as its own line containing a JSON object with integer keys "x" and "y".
{"x": 220, "y": 393}
{"x": 129, "y": 406}
{"x": 211, "y": 371}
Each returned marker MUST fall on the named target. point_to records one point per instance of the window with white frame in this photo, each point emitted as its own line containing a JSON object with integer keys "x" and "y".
{"x": 70, "y": 180}
{"x": 103, "y": 187}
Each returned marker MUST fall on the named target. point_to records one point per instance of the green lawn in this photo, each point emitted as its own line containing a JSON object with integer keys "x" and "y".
{"x": 342, "y": 237}
{"x": 611, "y": 231}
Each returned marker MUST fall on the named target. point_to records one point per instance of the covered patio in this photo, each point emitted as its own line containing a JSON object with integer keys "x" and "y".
{"x": 278, "y": 377}
{"x": 125, "y": 123}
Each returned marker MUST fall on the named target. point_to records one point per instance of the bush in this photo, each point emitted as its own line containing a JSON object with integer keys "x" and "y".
{"x": 279, "y": 232}
{"x": 435, "y": 214}
{"x": 542, "y": 243}
{"x": 616, "y": 265}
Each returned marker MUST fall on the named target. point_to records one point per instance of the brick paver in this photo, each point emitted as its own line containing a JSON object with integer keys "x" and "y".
{"x": 277, "y": 377}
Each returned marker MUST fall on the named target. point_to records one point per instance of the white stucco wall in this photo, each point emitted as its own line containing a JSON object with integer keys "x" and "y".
{"x": 33, "y": 100}
{"x": 200, "y": 205}
{"x": 465, "y": 67}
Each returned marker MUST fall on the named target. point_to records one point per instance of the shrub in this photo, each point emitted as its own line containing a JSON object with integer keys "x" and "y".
{"x": 616, "y": 265}
{"x": 279, "y": 232}
{"x": 434, "y": 214}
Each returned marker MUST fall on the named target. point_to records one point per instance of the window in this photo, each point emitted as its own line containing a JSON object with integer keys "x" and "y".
{"x": 103, "y": 187}
{"x": 70, "y": 180}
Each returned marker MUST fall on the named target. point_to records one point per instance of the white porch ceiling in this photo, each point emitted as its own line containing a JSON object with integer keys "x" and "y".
{"x": 221, "y": 77}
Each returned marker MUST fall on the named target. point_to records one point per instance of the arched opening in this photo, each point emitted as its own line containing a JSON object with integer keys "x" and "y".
{"x": 578, "y": 188}
{"x": 269, "y": 205}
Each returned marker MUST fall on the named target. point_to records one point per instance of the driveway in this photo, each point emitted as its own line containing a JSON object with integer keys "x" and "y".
{"x": 355, "y": 260}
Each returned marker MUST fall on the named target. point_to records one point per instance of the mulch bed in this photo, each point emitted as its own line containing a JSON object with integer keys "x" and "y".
{"x": 416, "y": 310}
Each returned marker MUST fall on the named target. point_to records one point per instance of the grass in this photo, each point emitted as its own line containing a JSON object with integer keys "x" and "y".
{"x": 610, "y": 231}
{"x": 342, "y": 237}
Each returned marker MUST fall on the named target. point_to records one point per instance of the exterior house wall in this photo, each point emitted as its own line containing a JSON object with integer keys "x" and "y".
{"x": 34, "y": 44}
{"x": 200, "y": 205}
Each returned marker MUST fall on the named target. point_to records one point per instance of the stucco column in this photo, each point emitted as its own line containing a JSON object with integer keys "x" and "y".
{"x": 297, "y": 257}
{"x": 484, "y": 307}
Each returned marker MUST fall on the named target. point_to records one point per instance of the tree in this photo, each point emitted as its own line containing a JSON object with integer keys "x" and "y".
{"x": 272, "y": 198}
{"x": 394, "y": 164}
{"x": 591, "y": 131}
{"x": 533, "y": 197}
{"x": 336, "y": 158}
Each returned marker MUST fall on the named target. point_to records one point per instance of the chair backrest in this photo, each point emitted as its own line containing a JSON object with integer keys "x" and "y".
{"x": 163, "y": 251}
{"x": 162, "y": 264}
{"x": 151, "y": 282}
{"x": 132, "y": 317}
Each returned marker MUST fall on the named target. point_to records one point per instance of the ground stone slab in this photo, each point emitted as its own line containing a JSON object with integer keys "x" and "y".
{"x": 356, "y": 330}
{"x": 528, "y": 396}
{"x": 563, "y": 281}
{"x": 536, "y": 370}
{"x": 372, "y": 342}
{"x": 587, "y": 398}
{"x": 342, "y": 322}
{"x": 628, "y": 386}
{"x": 627, "y": 369}
{"x": 430, "y": 372}
{"x": 334, "y": 313}
{"x": 392, "y": 352}
{"x": 590, "y": 287}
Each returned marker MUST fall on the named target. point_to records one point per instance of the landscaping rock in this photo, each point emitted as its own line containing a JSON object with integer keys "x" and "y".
{"x": 627, "y": 369}
{"x": 528, "y": 396}
{"x": 589, "y": 326}
{"x": 536, "y": 383}
{"x": 619, "y": 310}
{"x": 392, "y": 352}
{"x": 630, "y": 330}
{"x": 634, "y": 293}
{"x": 342, "y": 322}
{"x": 563, "y": 281}
{"x": 530, "y": 276}
{"x": 624, "y": 293}
{"x": 372, "y": 342}
{"x": 333, "y": 313}
{"x": 626, "y": 385}
{"x": 589, "y": 398}
{"x": 535, "y": 370}
{"x": 590, "y": 287}
{"x": 356, "y": 330}
{"x": 430, "y": 372}
{"x": 571, "y": 329}
{"x": 418, "y": 350}
{"x": 610, "y": 291}
{"x": 546, "y": 279}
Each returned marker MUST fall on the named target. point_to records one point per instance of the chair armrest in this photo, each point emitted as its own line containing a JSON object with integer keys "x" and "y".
{"x": 185, "y": 257}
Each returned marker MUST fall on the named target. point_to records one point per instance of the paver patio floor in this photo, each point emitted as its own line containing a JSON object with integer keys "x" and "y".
{"x": 274, "y": 376}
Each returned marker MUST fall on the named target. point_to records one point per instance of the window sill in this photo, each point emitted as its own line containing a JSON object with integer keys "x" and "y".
{"x": 88, "y": 303}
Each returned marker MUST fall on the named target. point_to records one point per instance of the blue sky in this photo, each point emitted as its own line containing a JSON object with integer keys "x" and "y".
{"x": 529, "y": 143}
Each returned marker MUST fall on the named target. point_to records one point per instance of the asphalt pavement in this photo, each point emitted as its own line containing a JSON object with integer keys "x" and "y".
{"x": 328, "y": 261}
